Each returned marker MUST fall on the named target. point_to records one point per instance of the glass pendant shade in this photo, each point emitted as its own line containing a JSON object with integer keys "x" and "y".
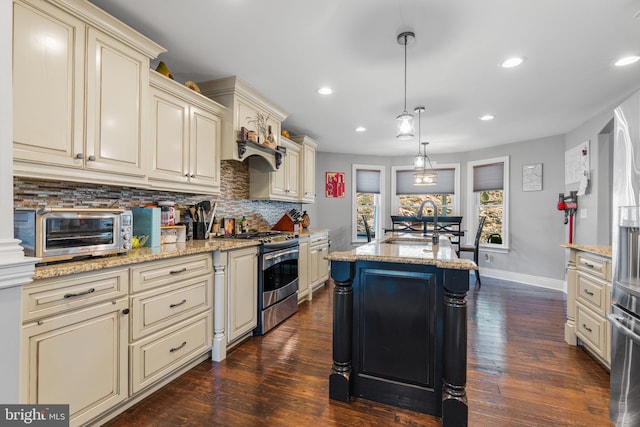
{"x": 405, "y": 126}
{"x": 424, "y": 178}
{"x": 418, "y": 161}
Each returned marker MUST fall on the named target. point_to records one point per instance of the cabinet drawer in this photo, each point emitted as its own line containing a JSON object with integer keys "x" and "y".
{"x": 595, "y": 265}
{"x": 49, "y": 297}
{"x": 153, "y": 310}
{"x": 159, "y": 273}
{"x": 591, "y": 292}
{"x": 159, "y": 354}
{"x": 591, "y": 329}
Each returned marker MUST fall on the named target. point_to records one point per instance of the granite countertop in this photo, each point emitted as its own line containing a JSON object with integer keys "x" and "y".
{"x": 594, "y": 249}
{"x": 138, "y": 255}
{"x": 407, "y": 248}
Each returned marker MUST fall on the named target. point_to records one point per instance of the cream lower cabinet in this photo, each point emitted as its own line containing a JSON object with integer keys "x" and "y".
{"x": 171, "y": 316}
{"x": 242, "y": 293}
{"x": 313, "y": 267}
{"x": 185, "y": 138}
{"x": 80, "y": 93}
{"x": 74, "y": 343}
{"x": 304, "y": 290}
{"x": 588, "y": 302}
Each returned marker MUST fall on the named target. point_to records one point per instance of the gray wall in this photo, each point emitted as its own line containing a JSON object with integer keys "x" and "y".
{"x": 595, "y": 229}
{"x": 536, "y": 227}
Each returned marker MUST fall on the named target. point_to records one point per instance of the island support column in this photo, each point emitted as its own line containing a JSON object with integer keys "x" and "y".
{"x": 455, "y": 410}
{"x": 340, "y": 377}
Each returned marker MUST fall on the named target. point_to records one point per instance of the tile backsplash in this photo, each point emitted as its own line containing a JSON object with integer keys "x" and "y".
{"x": 233, "y": 202}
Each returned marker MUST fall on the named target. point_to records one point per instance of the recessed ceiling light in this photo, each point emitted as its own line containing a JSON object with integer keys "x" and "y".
{"x": 487, "y": 117}
{"x": 627, "y": 60}
{"x": 361, "y": 129}
{"x": 325, "y": 91}
{"x": 513, "y": 62}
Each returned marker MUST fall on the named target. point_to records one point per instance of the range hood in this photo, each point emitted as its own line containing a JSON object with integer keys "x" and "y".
{"x": 244, "y": 104}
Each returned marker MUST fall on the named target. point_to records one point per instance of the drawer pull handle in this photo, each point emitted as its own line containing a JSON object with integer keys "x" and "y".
{"x": 182, "y": 270}
{"x": 587, "y": 328}
{"x": 178, "y": 348}
{"x": 588, "y": 292}
{"x": 178, "y": 304}
{"x": 89, "y": 291}
{"x": 589, "y": 265}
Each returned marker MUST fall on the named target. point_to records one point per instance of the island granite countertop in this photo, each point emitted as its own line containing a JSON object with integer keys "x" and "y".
{"x": 407, "y": 248}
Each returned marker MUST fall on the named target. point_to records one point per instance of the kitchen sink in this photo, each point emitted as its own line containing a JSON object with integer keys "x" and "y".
{"x": 412, "y": 242}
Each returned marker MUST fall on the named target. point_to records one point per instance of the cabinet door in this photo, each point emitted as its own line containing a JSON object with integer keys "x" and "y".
{"x": 309, "y": 174}
{"x": 48, "y": 85}
{"x": 169, "y": 137}
{"x": 323, "y": 264}
{"x": 293, "y": 167}
{"x": 205, "y": 148}
{"x": 314, "y": 264}
{"x": 117, "y": 88}
{"x": 61, "y": 353}
{"x": 303, "y": 270}
{"x": 243, "y": 292}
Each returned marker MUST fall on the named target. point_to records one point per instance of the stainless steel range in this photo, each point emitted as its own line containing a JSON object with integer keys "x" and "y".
{"x": 277, "y": 277}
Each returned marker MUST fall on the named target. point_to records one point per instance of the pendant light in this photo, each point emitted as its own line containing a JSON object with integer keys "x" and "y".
{"x": 423, "y": 176}
{"x": 404, "y": 121}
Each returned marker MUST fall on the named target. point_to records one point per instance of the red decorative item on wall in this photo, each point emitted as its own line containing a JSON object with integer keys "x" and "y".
{"x": 334, "y": 186}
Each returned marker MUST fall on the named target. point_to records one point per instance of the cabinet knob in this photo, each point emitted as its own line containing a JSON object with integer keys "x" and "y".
{"x": 125, "y": 311}
{"x": 79, "y": 156}
{"x": 193, "y": 175}
{"x": 187, "y": 175}
{"x": 92, "y": 158}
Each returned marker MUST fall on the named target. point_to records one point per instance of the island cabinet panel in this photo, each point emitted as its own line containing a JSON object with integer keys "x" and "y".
{"x": 400, "y": 331}
{"x": 397, "y": 328}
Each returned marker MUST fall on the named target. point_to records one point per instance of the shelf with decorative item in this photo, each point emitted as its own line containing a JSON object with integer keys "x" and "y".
{"x": 248, "y": 148}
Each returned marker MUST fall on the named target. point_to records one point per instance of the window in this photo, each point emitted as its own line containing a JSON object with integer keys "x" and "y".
{"x": 367, "y": 185}
{"x": 489, "y": 195}
{"x": 407, "y": 197}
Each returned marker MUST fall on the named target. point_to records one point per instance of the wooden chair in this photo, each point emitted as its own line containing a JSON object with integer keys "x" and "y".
{"x": 366, "y": 228}
{"x": 474, "y": 248}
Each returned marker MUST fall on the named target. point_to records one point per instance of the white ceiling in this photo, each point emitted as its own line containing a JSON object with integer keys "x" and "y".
{"x": 287, "y": 49}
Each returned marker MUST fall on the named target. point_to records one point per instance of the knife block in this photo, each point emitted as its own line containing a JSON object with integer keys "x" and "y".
{"x": 286, "y": 223}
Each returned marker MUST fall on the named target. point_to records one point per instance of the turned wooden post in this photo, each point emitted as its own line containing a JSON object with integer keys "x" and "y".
{"x": 340, "y": 377}
{"x": 455, "y": 410}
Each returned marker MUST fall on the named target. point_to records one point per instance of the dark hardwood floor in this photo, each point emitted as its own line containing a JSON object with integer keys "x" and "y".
{"x": 520, "y": 373}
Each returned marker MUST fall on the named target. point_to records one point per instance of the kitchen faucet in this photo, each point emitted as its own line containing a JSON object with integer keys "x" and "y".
{"x": 436, "y": 239}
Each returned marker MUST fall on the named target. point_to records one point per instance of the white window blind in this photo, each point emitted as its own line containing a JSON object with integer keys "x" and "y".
{"x": 445, "y": 183}
{"x": 488, "y": 177}
{"x": 368, "y": 181}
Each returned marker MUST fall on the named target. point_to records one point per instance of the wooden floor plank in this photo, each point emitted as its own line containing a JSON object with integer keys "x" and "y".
{"x": 520, "y": 373}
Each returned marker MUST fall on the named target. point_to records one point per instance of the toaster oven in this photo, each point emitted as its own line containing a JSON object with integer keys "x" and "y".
{"x": 55, "y": 234}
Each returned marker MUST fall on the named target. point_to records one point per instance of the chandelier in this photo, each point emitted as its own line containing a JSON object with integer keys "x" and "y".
{"x": 404, "y": 121}
{"x": 423, "y": 176}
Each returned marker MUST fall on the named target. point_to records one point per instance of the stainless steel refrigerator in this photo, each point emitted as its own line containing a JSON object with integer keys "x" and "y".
{"x": 625, "y": 310}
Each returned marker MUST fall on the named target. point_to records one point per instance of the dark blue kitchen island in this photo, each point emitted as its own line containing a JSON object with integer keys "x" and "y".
{"x": 400, "y": 326}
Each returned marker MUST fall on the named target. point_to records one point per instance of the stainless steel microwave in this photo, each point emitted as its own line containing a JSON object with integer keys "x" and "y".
{"x": 55, "y": 234}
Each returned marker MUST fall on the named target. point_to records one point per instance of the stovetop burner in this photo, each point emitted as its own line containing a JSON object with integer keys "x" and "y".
{"x": 265, "y": 237}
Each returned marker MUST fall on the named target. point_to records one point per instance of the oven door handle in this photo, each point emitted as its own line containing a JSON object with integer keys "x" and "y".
{"x": 277, "y": 257}
{"x": 617, "y": 323}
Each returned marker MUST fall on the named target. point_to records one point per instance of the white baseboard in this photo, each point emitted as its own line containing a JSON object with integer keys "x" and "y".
{"x": 528, "y": 279}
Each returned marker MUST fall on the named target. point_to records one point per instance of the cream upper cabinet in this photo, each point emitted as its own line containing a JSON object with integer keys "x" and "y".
{"x": 80, "y": 93}
{"x": 284, "y": 183}
{"x": 242, "y": 291}
{"x": 307, "y": 168}
{"x": 244, "y": 105}
{"x": 117, "y": 92}
{"x": 48, "y": 84}
{"x": 186, "y": 130}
